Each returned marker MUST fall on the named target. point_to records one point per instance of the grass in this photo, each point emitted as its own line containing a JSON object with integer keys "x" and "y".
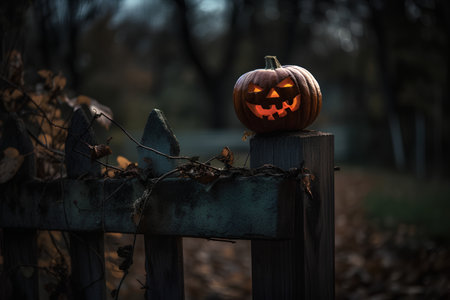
{"x": 398, "y": 199}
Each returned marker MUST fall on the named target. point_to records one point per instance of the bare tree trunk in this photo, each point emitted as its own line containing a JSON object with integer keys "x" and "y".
{"x": 420, "y": 148}
{"x": 213, "y": 80}
{"x": 42, "y": 10}
{"x": 387, "y": 81}
{"x": 441, "y": 130}
{"x": 290, "y": 10}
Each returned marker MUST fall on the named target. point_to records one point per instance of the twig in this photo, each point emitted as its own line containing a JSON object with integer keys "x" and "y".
{"x": 125, "y": 272}
{"x": 55, "y": 245}
{"x": 44, "y": 114}
{"x": 96, "y": 160}
{"x": 143, "y": 286}
{"x": 246, "y": 159}
{"x": 117, "y": 189}
{"x": 211, "y": 159}
{"x": 97, "y": 115}
{"x": 43, "y": 145}
{"x": 37, "y": 267}
{"x": 221, "y": 240}
{"x": 98, "y": 255}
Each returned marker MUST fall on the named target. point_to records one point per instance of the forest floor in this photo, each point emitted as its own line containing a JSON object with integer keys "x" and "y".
{"x": 392, "y": 242}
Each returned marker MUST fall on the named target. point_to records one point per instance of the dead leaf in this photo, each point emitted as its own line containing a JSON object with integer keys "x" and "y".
{"x": 82, "y": 99}
{"x": 47, "y": 75}
{"x": 207, "y": 177}
{"x": 59, "y": 82}
{"x": 15, "y": 68}
{"x": 16, "y": 94}
{"x": 10, "y": 164}
{"x": 123, "y": 162}
{"x": 99, "y": 151}
{"x": 45, "y": 139}
{"x": 247, "y": 134}
{"x": 37, "y": 98}
{"x": 307, "y": 177}
{"x": 226, "y": 156}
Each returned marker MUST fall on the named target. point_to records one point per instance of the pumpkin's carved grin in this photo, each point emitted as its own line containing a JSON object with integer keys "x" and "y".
{"x": 271, "y": 111}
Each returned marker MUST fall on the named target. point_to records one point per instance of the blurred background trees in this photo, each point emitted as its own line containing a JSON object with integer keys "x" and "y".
{"x": 383, "y": 66}
{"x": 384, "y": 70}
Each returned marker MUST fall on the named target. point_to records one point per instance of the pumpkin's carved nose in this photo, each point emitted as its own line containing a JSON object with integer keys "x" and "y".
{"x": 272, "y": 94}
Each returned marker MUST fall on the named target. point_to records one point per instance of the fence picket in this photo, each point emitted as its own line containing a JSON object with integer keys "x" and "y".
{"x": 302, "y": 267}
{"x": 19, "y": 246}
{"x": 86, "y": 248}
{"x": 164, "y": 254}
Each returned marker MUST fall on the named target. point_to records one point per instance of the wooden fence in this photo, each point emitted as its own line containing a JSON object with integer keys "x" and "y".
{"x": 291, "y": 229}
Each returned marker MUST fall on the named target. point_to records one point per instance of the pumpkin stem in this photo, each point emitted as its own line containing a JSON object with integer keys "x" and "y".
{"x": 272, "y": 62}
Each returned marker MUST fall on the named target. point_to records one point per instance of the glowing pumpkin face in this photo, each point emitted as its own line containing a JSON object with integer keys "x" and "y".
{"x": 277, "y": 98}
{"x": 274, "y": 105}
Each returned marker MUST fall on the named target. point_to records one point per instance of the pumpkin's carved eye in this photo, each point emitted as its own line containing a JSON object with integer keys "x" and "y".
{"x": 253, "y": 88}
{"x": 287, "y": 82}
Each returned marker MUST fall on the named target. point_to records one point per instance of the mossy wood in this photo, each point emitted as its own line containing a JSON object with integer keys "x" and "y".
{"x": 240, "y": 208}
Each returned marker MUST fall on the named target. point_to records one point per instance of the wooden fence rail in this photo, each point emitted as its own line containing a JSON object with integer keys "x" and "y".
{"x": 291, "y": 228}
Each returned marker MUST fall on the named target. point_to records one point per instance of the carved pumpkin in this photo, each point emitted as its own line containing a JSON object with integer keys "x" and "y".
{"x": 277, "y": 98}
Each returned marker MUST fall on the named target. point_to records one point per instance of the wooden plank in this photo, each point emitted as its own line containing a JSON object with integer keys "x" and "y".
{"x": 238, "y": 208}
{"x": 163, "y": 254}
{"x": 19, "y": 246}
{"x": 20, "y": 262}
{"x": 164, "y": 267}
{"x": 88, "y": 265}
{"x": 302, "y": 267}
{"x": 243, "y": 208}
{"x": 86, "y": 248}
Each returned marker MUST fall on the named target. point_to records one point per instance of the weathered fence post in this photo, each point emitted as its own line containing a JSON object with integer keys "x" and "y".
{"x": 86, "y": 248}
{"x": 20, "y": 245}
{"x": 164, "y": 254}
{"x": 303, "y": 267}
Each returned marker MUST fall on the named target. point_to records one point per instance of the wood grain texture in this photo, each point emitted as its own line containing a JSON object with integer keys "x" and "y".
{"x": 164, "y": 254}
{"x": 19, "y": 246}
{"x": 80, "y": 135}
{"x": 302, "y": 267}
{"x": 88, "y": 265}
{"x": 164, "y": 267}
{"x": 86, "y": 248}
{"x": 243, "y": 208}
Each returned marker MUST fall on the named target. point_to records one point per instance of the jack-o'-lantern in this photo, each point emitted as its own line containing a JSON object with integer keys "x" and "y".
{"x": 277, "y": 98}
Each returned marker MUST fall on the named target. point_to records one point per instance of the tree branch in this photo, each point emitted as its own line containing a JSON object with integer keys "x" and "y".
{"x": 234, "y": 36}
{"x": 186, "y": 34}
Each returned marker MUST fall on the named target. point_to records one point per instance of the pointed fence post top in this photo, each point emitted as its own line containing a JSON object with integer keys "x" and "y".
{"x": 159, "y": 136}
{"x": 80, "y": 135}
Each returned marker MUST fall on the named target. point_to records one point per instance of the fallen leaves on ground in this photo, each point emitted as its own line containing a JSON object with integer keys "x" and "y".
{"x": 10, "y": 163}
{"x": 380, "y": 263}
